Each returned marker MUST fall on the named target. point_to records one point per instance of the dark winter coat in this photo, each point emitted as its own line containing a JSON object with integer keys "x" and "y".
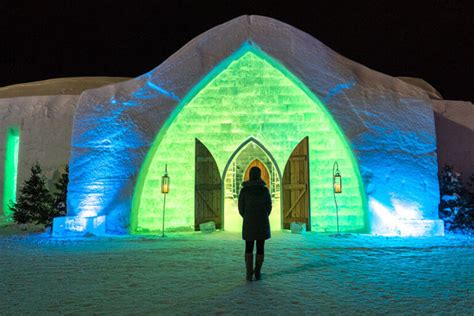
{"x": 255, "y": 205}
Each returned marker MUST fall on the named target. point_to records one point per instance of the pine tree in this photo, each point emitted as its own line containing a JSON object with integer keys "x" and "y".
{"x": 60, "y": 196}
{"x": 456, "y": 206}
{"x": 34, "y": 202}
{"x": 450, "y": 182}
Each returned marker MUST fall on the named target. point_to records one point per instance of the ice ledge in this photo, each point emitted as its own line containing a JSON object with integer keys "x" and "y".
{"x": 69, "y": 226}
{"x": 74, "y": 226}
{"x": 414, "y": 228}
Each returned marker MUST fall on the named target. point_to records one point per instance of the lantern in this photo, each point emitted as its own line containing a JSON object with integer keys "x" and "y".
{"x": 337, "y": 180}
{"x": 337, "y": 188}
{"x": 165, "y": 188}
{"x": 165, "y": 181}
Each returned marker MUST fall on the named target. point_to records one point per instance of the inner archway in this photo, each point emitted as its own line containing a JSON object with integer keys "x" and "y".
{"x": 265, "y": 174}
{"x": 250, "y": 154}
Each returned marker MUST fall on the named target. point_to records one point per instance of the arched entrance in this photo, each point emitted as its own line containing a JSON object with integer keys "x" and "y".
{"x": 210, "y": 200}
{"x": 265, "y": 174}
{"x": 265, "y": 100}
{"x": 250, "y": 153}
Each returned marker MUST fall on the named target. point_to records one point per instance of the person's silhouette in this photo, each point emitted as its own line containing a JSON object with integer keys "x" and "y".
{"x": 255, "y": 205}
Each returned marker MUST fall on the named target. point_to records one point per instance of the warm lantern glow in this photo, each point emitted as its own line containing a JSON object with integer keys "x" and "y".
{"x": 165, "y": 186}
{"x": 337, "y": 182}
{"x": 337, "y": 179}
{"x": 165, "y": 182}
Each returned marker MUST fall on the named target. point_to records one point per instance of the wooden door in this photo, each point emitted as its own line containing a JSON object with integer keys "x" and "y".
{"x": 208, "y": 188}
{"x": 296, "y": 187}
{"x": 265, "y": 175}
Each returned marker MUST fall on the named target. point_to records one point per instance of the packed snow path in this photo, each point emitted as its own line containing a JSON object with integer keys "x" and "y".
{"x": 204, "y": 274}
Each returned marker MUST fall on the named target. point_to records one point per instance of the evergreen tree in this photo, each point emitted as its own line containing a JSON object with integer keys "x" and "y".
{"x": 60, "y": 196}
{"x": 450, "y": 182}
{"x": 20, "y": 215}
{"x": 34, "y": 202}
{"x": 456, "y": 206}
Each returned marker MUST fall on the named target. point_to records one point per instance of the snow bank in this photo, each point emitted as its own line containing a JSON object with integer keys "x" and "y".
{"x": 205, "y": 274}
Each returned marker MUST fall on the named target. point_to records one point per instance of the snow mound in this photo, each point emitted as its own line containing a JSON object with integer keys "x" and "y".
{"x": 69, "y": 86}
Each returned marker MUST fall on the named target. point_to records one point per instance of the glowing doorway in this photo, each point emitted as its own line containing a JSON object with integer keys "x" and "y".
{"x": 11, "y": 170}
{"x": 250, "y": 154}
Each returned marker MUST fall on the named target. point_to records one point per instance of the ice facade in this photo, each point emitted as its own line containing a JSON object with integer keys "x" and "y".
{"x": 380, "y": 130}
{"x": 251, "y": 96}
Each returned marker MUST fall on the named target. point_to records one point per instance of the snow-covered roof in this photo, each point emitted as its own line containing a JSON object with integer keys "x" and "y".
{"x": 298, "y": 51}
{"x": 423, "y": 84}
{"x": 58, "y": 86}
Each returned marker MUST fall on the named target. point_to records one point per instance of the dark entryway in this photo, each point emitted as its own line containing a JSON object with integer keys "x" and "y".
{"x": 209, "y": 194}
{"x": 264, "y": 171}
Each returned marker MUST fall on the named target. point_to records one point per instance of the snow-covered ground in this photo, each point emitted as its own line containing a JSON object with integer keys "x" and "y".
{"x": 204, "y": 274}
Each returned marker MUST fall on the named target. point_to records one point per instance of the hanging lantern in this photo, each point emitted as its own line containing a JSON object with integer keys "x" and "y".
{"x": 337, "y": 179}
{"x": 165, "y": 181}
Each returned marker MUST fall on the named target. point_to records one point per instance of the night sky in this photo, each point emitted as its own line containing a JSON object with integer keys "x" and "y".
{"x": 41, "y": 40}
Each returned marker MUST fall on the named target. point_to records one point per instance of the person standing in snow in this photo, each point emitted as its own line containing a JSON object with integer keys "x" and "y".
{"x": 255, "y": 205}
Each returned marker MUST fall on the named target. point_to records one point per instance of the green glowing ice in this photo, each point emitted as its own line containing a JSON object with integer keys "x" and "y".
{"x": 11, "y": 169}
{"x": 248, "y": 95}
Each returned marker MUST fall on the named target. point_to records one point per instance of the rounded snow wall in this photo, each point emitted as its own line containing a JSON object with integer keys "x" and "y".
{"x": 389, "y": 125}
{"x": 247, "y": 95}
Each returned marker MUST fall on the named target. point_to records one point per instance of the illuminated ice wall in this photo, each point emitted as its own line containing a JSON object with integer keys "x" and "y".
{"x": 11, "y": 169}
{"x": 257, "y": 77}
{"x": 248, "y": 95}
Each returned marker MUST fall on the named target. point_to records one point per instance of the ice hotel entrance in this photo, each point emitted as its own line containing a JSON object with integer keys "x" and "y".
{"x": 216, "y": 196}
{"x": 249, "y": 110}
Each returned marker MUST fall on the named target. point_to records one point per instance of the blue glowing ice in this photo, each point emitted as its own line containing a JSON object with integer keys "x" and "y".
{"x": 388, "y": 124}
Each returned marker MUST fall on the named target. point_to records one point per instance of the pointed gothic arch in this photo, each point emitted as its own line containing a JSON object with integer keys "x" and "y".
{"x": 208, "y": 112}
{"x": 240, "y": 160}
{"x": 265, "y": 172}
{"x": 249, "y": 140}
